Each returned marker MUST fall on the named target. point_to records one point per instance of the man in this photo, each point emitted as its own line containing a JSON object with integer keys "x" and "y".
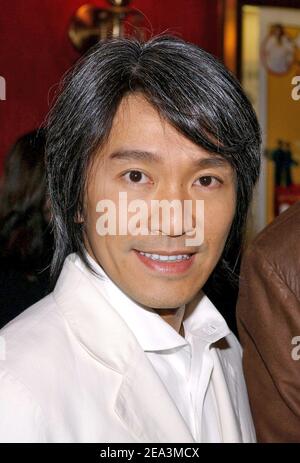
{"x": 127, "y": 348}
{"x": 269, "y": 326}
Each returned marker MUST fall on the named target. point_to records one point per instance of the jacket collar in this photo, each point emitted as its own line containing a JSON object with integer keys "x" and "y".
{"x": 95, "y": 323}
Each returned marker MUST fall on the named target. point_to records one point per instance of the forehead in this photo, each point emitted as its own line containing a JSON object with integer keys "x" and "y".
{"x": 137, "y": 121}
{"x": 138, "y": 126}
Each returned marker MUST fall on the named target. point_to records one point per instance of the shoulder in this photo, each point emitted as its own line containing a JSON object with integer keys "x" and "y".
{"x": 284, "y": 230}
{"x": 30, "y": 326}
{"x": 277, "y": 248}
{"x": 33, "y": 344}
{"x": 25, "y": 343}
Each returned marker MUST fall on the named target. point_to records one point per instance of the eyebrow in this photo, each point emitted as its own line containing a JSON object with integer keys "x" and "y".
{"x": 141, "y": 155}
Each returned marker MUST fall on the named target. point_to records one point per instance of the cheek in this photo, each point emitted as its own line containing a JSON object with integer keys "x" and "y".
{"x": 97, "y": 192}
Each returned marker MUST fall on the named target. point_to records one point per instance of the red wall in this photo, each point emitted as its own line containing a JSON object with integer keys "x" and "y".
{"x": 35, "y": 50}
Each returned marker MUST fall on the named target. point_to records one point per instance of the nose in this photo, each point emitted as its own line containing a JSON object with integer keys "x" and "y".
{"x": 171, "y": 210}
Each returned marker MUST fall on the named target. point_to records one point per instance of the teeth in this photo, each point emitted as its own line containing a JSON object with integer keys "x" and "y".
{"x": 166, "y": 258}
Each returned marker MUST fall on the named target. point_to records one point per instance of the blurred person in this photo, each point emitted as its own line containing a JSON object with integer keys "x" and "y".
{"x": 25, "y": 239}
{"x": 268, "y": 318}
{"x": 279, "y": 50}
{"x": 128, "y": 347}
{"x": 283, "y": 159}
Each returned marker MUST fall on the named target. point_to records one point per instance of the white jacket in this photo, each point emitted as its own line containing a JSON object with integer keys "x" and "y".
{"x": 71, "y": 370}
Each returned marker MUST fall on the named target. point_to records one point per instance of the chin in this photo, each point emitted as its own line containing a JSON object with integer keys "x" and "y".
{"x": 163, "y": 302}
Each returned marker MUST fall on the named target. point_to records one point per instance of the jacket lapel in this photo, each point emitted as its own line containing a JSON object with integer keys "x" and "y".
{"x": 145, "y": 407}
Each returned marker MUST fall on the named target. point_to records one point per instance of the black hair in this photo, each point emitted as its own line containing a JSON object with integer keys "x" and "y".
{"x": 189, "y": 87}
{"x": 24, "y": 227}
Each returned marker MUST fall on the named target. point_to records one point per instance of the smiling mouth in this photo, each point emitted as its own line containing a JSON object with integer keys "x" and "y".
{"x": 166, "y": 263}
{"x": 164, "y": 257}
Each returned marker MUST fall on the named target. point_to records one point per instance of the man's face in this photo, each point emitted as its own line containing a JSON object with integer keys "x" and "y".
{"x": 148, "y": 159}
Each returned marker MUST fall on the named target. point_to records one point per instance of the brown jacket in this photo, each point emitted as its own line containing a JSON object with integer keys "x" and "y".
{"x": 268, "y": 317}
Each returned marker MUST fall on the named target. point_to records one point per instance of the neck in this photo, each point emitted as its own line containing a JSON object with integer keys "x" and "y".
{"x": 174, "y": 317}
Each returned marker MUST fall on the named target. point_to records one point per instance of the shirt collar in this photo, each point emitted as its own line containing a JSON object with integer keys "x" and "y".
{"x": 202, "y": 319}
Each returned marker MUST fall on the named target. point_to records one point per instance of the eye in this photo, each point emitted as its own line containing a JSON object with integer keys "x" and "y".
{"x": 135, "y": 176}
{"x": 208, "y": 181}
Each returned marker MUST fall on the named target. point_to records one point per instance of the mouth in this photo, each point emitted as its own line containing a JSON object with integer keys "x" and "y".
{"x": 167, "y": 262}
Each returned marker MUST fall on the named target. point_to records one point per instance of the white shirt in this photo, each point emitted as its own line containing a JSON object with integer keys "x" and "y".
{"x": 183, "y": 364}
